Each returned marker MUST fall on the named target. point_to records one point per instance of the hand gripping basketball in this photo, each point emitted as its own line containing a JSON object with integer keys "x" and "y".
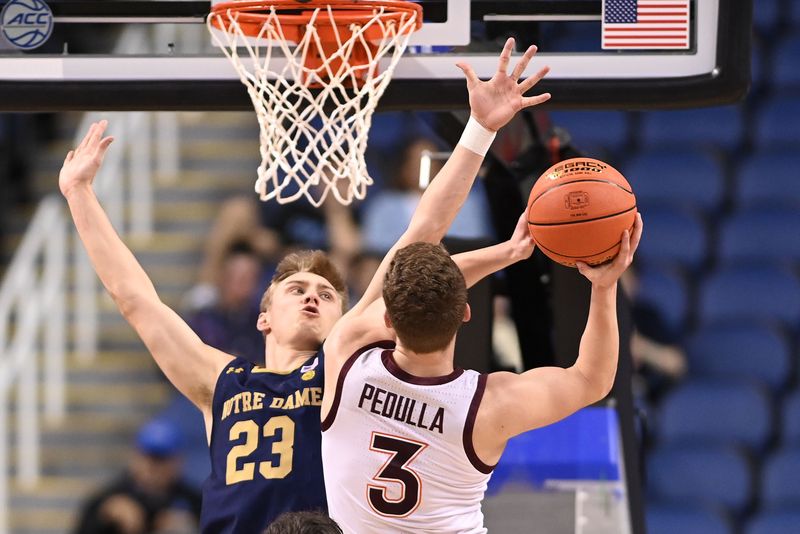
{"x": 607, "y": 274}
{"x": 493, "y": 103}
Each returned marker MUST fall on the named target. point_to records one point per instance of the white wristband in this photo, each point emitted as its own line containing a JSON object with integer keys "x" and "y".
{"x": 476, "y": 138}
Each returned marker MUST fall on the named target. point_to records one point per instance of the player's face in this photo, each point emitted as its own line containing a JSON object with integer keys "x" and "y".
{"x": 303, "y": 310}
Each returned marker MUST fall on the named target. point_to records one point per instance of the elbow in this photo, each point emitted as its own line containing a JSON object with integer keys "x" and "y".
{"x": 597, "y": 386}
{"x": 130, "y": 305}
{"x": 429, "y": 229}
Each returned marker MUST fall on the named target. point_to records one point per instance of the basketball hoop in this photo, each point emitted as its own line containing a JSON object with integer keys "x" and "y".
{"x": 315, "y": 104}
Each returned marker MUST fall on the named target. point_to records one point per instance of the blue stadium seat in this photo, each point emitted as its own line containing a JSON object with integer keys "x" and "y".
{"x": 794, "y": 13}
{"x": 706, "y": 127}
{"x": 674, "y": 236}
{"x": 594, "y": 131}
{"x": 759, "y": 234}
{"x": 664, "y": 290}
{"x": 775, "y": 126}
{"x": 716, "y": 412}
{"x": 769, "y": 178}
{"x": 785, "y": 74}
{"x": 790, "y": 420}
{"x": 779, "y": 484}
{"x": 774, "y": 522}
{"x": 750, "y": 293}
{"x": 186, "y": 416}
{"x": 667, "y": 519}
{"x": 711, "y": 476}
{"x": 390, "y": 130}
{"x": 678, "y": 177}
{"x": 740, "y": 351}
{"x": 765, "y": 16}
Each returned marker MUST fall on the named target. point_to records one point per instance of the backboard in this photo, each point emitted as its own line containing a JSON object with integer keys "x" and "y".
{"x": 158, "y": 55}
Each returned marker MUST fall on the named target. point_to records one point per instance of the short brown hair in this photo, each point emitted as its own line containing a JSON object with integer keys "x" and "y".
{"x": 303, "y": 523}
{"x": 425, "y": 295}
{"x": 309, "y": 261}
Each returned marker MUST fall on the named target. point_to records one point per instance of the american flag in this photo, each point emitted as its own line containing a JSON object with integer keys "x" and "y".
{"x": 646, "y": 24}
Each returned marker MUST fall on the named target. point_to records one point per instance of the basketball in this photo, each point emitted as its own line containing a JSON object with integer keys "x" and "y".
{"x": 578, "y": 209}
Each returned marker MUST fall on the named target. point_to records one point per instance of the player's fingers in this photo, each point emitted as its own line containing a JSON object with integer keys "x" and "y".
{"x": 69, "y": 157}
{"x": 505, "y": 57}
{"x": 97, "y": 132}
{"x": 527, "y": 83}
{"x": 583, "y": 268}
{"x": 623, "y": 258}
{"x": 468, "y": 73}
{"x": 638, "y": 225}
{"x": 522, "y": 64}
{"x": 87, "y": 137}
{"x": 104, "y": 144}
{"x": 529, "y": 101}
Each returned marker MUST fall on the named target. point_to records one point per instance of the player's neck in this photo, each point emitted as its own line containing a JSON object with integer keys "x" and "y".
{"x": 439, "y": 363}
{"x": 283, "y": 359}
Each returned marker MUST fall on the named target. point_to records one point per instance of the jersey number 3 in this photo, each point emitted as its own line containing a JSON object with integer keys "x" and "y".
{"x": 402, "y": 452}
{"x": 284, "y": 448}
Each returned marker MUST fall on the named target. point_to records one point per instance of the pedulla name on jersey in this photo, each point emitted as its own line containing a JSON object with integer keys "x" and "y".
{"x": 400, "y": 408}
{"x": 247, "y": 401}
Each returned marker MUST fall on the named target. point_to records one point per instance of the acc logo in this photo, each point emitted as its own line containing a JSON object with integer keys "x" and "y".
{"x": 26, "y": 24}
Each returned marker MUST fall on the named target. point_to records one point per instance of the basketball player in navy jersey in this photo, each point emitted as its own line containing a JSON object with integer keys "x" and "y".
{"x": 263, "y": 423}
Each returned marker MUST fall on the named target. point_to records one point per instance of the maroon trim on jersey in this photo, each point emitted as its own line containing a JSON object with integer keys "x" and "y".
{"x": 391, "y": 365}
{"x": 337, "y": 398}
{"x": 469, "y": 426}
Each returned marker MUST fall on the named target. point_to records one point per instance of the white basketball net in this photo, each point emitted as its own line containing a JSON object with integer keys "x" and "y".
{"x": 312, "y": 140}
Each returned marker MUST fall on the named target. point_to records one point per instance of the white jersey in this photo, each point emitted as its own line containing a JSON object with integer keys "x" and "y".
{"x": 397, "y": 449}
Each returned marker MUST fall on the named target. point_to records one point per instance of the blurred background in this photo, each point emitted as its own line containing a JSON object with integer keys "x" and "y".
{"x": 715, "y": 290}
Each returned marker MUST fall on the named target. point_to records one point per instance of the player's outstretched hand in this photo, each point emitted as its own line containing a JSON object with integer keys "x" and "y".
{"x": 521, "y": 242}
{"x": 493, "y": 103}
{"x": 606, "y": 275}
{"x": 81, "y": 164}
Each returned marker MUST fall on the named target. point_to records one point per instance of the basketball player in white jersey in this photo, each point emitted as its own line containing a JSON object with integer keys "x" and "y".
{"x": 409, "y": 441}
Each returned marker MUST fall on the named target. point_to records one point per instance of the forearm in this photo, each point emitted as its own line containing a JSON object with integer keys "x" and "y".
{"x": 444, "y": 196}
{"x": 599, "y": 347}
{"x": 114, "y": 263}
{"x": 476, "y": 265}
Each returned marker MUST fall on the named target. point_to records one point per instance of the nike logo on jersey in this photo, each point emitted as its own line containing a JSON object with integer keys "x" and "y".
{"x": 400, "y": 408}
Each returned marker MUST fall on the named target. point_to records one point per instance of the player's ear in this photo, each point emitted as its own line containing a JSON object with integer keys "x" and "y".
{"x": 386, "y": 320}
{"x": 467, "y": 314}
{"x": 263, "y": 322}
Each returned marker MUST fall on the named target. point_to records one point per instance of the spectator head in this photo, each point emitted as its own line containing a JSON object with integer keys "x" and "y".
{"x": 156, "y": 462}
{"x": 405, "y": 175}
{"x": 303, "y": 523}
{"x": 239, "y": 276}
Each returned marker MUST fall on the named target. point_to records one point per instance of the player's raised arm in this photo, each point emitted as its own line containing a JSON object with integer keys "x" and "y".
{"x": 493, "y": 103}
{"x": 476, "y": 265}
{"x": 189, "y": 364}
{"x": 514, "y": 404}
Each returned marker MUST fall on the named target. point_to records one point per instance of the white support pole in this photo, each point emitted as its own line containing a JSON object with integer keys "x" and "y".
{"x": 26, "y": 358}
{"x": 4, "y": 524}
{"x": 140, "y": 180}
{"x": 54, "y": 303}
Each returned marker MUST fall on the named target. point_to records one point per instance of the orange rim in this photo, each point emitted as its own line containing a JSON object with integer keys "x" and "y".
{"x": 251, "y": 14}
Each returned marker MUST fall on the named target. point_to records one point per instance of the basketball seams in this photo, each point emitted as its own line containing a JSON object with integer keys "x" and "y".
{"x": 595, "y": 180}
{"x": 564, "y": 223}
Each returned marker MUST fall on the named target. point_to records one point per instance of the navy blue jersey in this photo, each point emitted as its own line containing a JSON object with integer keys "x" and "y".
{"x": 265, "y": 447}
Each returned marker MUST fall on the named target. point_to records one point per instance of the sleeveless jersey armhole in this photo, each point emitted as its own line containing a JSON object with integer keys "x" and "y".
{"x": 469, "y": 427}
